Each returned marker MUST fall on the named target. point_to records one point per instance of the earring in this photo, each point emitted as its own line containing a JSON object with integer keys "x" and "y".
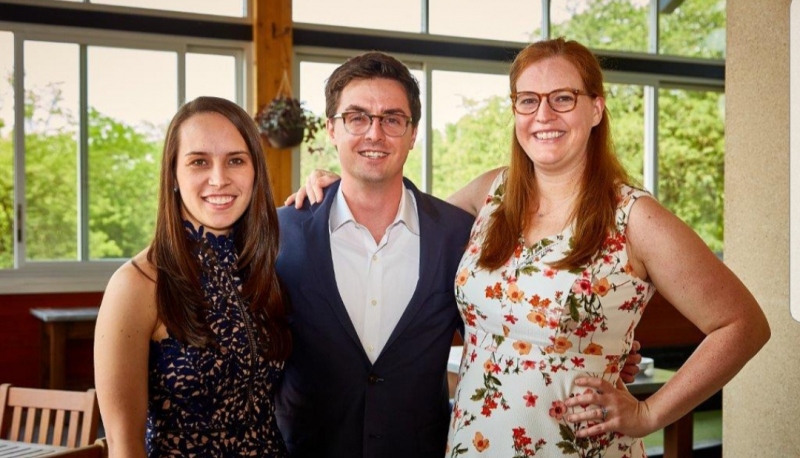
{"x": 175, "y": 188}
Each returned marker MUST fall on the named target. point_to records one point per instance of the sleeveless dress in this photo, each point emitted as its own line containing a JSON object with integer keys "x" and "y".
{"x": 214, "y": 402}
{"x": 530, "y": 331}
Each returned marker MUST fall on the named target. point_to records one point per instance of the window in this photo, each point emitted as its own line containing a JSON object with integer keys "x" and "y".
{"x": 522, "y": 23}
{"x": 80, "y": 150}
{"x": 401, "y": 15}
{"x": 693, "y": 28}
{"x": 231, "y": 8}
{"x": 619, "y": 25}
{"x": 472, "y": 124}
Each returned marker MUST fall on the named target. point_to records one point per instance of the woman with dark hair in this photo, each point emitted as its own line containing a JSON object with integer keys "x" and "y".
{"x": 564, "y": 256}
{"x": 191, "y": 337}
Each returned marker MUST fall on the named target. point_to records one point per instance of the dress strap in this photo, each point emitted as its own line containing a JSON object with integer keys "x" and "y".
{"x": 142, "y": 271}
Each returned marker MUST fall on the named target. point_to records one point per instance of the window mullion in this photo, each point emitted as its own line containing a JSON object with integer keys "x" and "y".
{"x": 19, "y": 151}
{"x": 427, "y": 147}
{"x": 83, "y": 155}
{"x": 651, "y": 139}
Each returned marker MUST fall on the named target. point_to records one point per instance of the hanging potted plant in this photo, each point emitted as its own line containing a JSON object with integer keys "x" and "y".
{"x": 285, "y": 123}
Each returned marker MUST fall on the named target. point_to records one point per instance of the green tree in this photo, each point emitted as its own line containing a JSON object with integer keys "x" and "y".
{"x": 123, "y": 164}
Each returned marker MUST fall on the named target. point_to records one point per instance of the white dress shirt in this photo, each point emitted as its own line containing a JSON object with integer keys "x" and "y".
{"x": 375, "y": 281}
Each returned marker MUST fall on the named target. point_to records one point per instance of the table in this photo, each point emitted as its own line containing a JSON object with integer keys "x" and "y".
{"x": 24, "y": 450}
{"x": 58, "y": 326}
{"x": 678, "y": 436}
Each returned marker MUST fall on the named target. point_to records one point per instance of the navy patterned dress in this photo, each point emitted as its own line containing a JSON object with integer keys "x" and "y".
{"x": 214, "y": 402}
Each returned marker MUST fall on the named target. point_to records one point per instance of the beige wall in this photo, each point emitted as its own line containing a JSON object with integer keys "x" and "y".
{"x": 762, "y": 404}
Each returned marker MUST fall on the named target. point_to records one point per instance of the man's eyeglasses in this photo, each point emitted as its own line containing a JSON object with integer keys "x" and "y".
{"x": 560, "y": 100}
{"x": 358, "y": 122}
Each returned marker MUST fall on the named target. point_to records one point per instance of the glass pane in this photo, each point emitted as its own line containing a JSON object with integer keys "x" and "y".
{"x": 132, "y": 97}
{"x": 691, "y": 175}
{"x": 625, "y": 105}
{"x": 694, "y": 28}
{"x": 405, "y": 15}
{"x": 312, "y": 92}
{"x": 619, "y": 25}
{"x": 313, "y": 76}
{"x": 233, "y": 8}
{"x": 210, "y": 74}
{"x": 51, "y": 150}
{"x": 7, "y": 213}
{"x": 453, "y": 17}
{"x": 472, "y": 126}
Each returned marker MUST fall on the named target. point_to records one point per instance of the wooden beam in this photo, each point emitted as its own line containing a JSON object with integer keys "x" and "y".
{"x": 272, "y": 43}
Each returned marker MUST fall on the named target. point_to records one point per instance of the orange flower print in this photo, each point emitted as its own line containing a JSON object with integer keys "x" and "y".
{"x": 506, "y": 330}
{"x": 550, "y": 273}
{"x": 557, "y": 410}
{"x": 628, "y": 269}
{"x": 538, "y": 318}
{"x": 561, "y": 345}
{"x": 522, "y": 347}
{"x": 601, "y": 287}
{"x": 593, "y": 349}
{"x": 461, "y": 278}
{"x": 488, "y": 366}
{"x": 481, "y": 443}
{"x": 514, "y": 293}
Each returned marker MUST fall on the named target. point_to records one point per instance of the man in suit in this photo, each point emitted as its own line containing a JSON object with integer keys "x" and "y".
{"x": 370, "y": 274}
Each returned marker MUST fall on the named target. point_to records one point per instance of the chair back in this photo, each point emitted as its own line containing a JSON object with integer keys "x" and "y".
{"x": 53, "y": 417}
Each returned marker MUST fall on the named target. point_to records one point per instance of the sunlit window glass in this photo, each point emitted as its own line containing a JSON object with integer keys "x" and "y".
{"x": 472, "y": 126}
{"x": 693, "y": 28}
{"x": 132, "y": 97}
{"x": 402, "y": 15}
{"x": 625, "y": 105}
{"x": 210, "y": 74}
{"x": 51, "y": 150}
{"x": 691, "y": 178}
{"x": 7, "y": 213}
{"x": 620, "y": 25}
{"x": 233, "y": 8}
{"x": 452, "y": 17}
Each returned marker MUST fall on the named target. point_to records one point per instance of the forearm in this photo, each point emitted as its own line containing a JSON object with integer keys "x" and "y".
{"x": 719, "y": 357}
{"x": 122, "y": 444}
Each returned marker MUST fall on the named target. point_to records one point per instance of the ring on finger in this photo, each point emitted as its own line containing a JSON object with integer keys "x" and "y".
{"x": 604, "y": 413}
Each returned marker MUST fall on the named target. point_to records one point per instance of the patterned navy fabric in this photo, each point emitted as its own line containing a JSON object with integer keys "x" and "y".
{"x": 214, "y": 402}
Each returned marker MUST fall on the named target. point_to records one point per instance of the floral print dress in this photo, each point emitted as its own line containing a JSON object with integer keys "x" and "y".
{"x": 530, "y": 331}
{"x": 214, "y": 402}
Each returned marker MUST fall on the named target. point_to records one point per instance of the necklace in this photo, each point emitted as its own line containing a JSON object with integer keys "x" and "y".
{"x": 541, "y": 214}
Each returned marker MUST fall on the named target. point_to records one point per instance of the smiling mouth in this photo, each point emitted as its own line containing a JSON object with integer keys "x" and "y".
{"x": 219, "y": 200}
{"x": 373, "y": 154}
{"x": 549, "y": 135}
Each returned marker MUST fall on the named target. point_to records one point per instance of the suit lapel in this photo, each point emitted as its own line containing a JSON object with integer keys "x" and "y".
{"x": 429, "y": 251}
{"x": 316, "y": 233}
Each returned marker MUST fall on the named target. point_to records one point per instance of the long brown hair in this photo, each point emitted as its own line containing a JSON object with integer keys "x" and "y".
{"x": 179, "y": 295}
{"x": 597, "y": 200}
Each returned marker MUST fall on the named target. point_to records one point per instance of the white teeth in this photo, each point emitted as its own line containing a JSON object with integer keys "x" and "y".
{"x": 373, "y": 154}
{"x": 548, "y": 135}
{"x": 219, "y": 200}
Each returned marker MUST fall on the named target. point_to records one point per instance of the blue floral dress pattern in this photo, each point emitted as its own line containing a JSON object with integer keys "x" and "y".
{"x": 215, "y": 401}
{"x": 530, "y": 331}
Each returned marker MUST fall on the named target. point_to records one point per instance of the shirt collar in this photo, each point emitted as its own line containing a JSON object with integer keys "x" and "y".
{"x": 406, "y": 212}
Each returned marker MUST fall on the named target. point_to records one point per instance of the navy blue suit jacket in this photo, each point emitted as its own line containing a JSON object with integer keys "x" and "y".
{"x": 333, "y": 401}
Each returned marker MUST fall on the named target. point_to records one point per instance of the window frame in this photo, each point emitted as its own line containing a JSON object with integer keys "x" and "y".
{"x": 91, "y": 275}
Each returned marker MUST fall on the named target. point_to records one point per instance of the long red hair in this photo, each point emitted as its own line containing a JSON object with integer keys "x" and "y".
{"x": 597, "y": 199}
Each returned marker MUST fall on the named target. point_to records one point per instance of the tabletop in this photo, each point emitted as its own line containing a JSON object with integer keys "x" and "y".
{"x": 9, "y": 449}
{"x": 66, "y": 314}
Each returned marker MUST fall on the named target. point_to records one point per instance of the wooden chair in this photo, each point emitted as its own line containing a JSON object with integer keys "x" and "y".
{"x": 30, "y": 415}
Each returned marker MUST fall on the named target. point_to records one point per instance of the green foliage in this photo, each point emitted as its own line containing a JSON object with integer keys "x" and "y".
{"x": 122, "y": 185}
{"x": 605, "y": 24}
{"x": 479, "y": 141}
